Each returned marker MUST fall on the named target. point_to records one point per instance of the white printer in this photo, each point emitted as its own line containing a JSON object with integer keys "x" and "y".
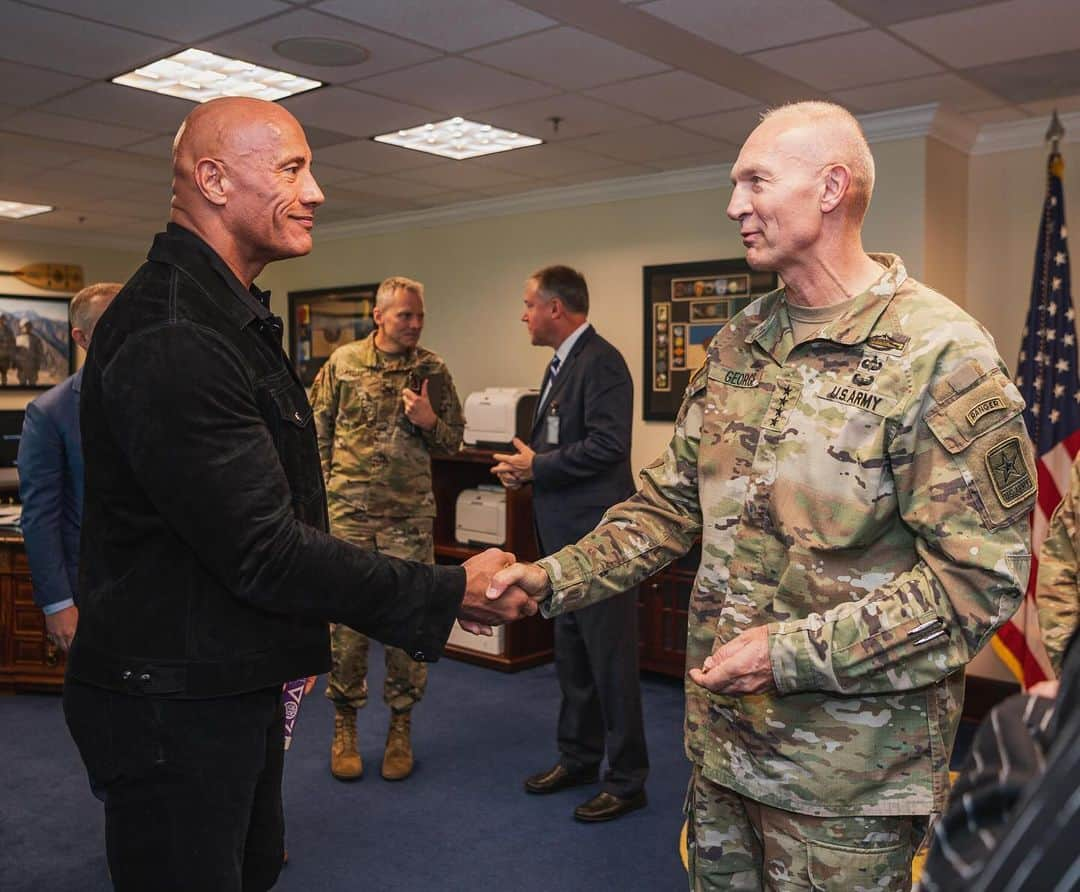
{"x": 495, "y": 415}
{"x": 480, "y": 515}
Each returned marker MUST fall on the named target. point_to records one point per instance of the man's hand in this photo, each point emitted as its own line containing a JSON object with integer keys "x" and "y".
{"x": 507, "y": 479}
{"x": 741, "y": 666}
{"x": 60, "y": 627}
{"x": 481, "y": 609}
{"x": 418, "y": 407}
{"x": 516, "y": 464}
{"x": 528, "y": 578}
{"x": 1048, "y": 689}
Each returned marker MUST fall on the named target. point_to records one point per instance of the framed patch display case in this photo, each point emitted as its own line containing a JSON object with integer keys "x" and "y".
{"x": 323, "y": 319}
{"x": 686, "y": 304}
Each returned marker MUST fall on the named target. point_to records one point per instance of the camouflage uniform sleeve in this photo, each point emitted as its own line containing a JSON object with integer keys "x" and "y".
{"x": 1057, "y": 594}
{"x": 324, "y": 404}
{"x": 648, "y": 531}
{"x": 446, "y": 436}
{"x": 971, "y": 548}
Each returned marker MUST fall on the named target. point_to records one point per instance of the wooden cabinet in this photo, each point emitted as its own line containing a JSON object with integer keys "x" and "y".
{"x": 663, "y": 605}
{"x": 518, "y": 645}
{"x": 28, "y": 660}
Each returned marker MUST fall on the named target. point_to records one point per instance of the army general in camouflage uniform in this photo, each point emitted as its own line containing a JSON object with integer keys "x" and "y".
{"x": 382, "y": 406}
{"x": 861, "y": 489}
{"x": 1058, "y": 590}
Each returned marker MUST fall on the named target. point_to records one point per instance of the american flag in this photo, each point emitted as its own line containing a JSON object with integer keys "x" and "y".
{"x": 1048, "y": 380}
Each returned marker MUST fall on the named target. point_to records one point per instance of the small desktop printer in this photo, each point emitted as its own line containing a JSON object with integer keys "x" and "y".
{"x": 495, "y": 415}
{"x": 480, "y": 516}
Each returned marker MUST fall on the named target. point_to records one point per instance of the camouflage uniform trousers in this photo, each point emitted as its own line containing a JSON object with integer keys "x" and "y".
{"x": 409, "y": 538}
{"x": 737, "y": 843}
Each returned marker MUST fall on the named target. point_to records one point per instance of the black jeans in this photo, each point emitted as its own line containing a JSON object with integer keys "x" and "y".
{"x": 192, "y": 788}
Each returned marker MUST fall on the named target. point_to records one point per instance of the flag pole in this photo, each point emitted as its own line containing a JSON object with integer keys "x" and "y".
{"x": 1055, "y": 132}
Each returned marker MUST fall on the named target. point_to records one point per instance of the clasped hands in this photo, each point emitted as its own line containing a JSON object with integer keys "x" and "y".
{"x": 514, "y": 468}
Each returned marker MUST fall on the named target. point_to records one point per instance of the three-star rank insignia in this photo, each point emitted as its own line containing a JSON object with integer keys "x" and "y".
{"x": 1009, "y": 472}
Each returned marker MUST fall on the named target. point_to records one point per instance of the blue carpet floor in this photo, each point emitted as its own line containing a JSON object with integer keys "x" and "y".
{"x": 461, "y": 822}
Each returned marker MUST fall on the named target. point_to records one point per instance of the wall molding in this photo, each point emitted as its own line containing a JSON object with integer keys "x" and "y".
{"x": 1027, "y": 134}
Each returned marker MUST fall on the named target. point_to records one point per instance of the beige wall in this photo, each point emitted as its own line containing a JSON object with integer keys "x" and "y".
{"x": 946, "y": 234}
{"x": 98, "y": 265}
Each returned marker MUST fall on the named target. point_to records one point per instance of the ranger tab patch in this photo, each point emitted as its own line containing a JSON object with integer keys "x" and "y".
{"x": 1012, "y": 479}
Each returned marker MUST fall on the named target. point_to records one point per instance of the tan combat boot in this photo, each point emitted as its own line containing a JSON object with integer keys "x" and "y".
{"x": 345, "y": 763}
{"x": 397, "y": 763}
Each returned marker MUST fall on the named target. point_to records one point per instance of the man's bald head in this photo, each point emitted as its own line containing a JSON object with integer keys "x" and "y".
{"x": 826, "y": 134}
{"x": 242, "y": 181}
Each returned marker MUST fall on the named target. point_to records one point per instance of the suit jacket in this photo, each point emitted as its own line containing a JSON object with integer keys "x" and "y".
{"x": 51, "y": 488}
{"x": 588, "y": 471}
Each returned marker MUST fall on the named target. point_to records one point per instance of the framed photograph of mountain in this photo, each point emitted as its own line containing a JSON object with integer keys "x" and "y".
{"x": 35, "y": 342}
{"x": 686, "y": 304}
{"x": 323, "y": 319}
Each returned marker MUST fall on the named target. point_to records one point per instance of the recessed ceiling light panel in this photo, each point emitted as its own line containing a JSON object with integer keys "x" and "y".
{"x": 16, "y": 210}
{"x": 458, "y": 139}
{"x": 201, "y": 76}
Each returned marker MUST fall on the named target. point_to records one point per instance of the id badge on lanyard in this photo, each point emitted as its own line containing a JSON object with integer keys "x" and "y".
{"x": 551, "y": 425}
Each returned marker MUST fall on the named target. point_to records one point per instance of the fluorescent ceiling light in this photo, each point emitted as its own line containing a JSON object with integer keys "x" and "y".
{"x": 458, "y": 139}
{"x": 201, "y": 76}
{"x": 16, "y": 210}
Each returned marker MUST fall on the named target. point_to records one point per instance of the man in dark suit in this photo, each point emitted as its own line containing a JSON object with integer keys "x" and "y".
{"x": 578, "y": 461}
{"x": 51, "y": 479}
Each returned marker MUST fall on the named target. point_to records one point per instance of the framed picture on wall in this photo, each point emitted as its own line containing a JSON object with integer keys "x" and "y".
{"x": 35, "y": 342}
{"x": 323, "y": 319}
{"x": 685, "y": 305}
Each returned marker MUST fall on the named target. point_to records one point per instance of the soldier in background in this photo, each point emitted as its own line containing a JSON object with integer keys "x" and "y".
{"x": 29, "y": 354}
{"x": 1057, "y": 593}
{"x": 7, "y": 348}
{"x": 854, "y": 458}
{"x": 382, "y": 406}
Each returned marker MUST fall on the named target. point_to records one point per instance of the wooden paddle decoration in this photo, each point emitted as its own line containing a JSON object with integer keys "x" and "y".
{"x": 51, "y": 276}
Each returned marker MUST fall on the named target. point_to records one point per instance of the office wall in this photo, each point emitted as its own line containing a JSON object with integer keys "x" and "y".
{"x": 98, "y": 265}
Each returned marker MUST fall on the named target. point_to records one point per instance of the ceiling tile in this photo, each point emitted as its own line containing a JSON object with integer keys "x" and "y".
{"x": 391, "y": 187}
{"x": 442, "y": 199}
{"x": 25, "y": 85}
{"x": 511, "y": 188}
{"x": 578, "y": 116}
{"x": 73, "y": 45}
{"x": 1028, "y": 80}
{"x": 450, "y": 26}
{"x": 318, "y": 138}
{"x": 373, "y": 157}
{"x": 850, "y": 60}
{"x": 616, "y": 172}
{"x": 6, "y": 111}
{"x": 463, "y": 175}
{"x": 948, "y": 89}
{"x": 92, "y": 133}
{"x": 330, "y": 175}
{"x": 344, "y": 199}
{"x": 570, "y": 58}
{"x": 353, "y": 112}
{"x": 746, "y": 27}
{"x": 648, "y": 144}
{"x": 725, "y": 155}
{"x": 999, "y": 32}
{"x": 87, "y": 221}
{"x": 454, "y": 86}
{"x": 732, "y": 127}
{"x": 889, "y": 12}
{"x": 126, "y": 106}
{"x": 28, "y": 154}
{"x": 139, "y": 210}
{"x": 125, "y": 165}
{"x": 184, "y": 22}
{"x": 671, "y": 95}
{"x": 256, "y": 44}
{"x": 157, "y": 147}
{"x": 544, "y": 161}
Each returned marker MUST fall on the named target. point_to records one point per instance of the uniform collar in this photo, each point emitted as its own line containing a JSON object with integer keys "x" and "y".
{"x": 854, "y": 326}
{"x": 368, "y": 355}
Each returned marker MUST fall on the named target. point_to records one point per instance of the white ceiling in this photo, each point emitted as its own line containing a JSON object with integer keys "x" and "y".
{"x": 639, "y": 87}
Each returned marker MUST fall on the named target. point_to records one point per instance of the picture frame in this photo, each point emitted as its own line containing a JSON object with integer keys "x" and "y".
{"x": 36, "y": 350}
{"x": 685, "y": 305}
{"x": 323, "y": 319}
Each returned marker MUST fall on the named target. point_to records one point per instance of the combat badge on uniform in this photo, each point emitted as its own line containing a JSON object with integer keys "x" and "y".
{"x": 1009, "y": 473}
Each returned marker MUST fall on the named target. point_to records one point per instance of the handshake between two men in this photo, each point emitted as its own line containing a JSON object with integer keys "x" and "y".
{"x": 499, "y": 590}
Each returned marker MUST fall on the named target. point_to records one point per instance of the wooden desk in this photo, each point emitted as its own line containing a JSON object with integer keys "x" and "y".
{"x": 28, "y": 660}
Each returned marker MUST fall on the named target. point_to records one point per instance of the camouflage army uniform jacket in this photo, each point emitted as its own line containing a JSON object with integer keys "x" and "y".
{"x": 374, "y": 460}
{"x": 1058, "y": 592}
{"x": 864, "y": 495}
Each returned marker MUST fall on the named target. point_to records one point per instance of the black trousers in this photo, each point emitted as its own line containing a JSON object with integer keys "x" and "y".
{"x": 596, "y": 655}
{"x": 192, "y": 788}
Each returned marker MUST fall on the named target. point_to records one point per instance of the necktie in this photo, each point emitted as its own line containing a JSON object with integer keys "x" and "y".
{"x": 549, "y": 374}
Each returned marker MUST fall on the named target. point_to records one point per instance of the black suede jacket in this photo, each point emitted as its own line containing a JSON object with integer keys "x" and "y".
{"x": 206, "y": 567}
